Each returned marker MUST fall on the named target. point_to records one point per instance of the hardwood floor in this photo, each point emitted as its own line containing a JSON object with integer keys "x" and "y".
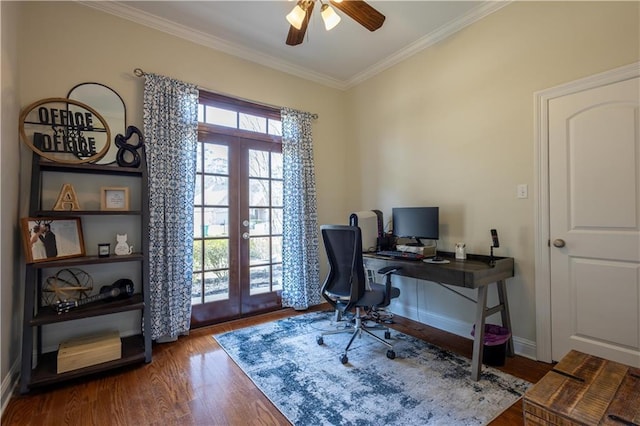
{"x": 194, "y": 382}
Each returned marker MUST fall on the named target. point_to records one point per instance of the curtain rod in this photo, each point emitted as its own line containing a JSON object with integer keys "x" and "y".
{"x": 138, "y": 72}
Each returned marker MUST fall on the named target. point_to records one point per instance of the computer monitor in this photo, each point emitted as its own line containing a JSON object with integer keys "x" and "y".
{"x": 419, "y": 223}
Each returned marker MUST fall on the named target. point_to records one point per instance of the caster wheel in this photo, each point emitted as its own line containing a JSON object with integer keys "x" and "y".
{"x": 320, "y": 340}
{"x": 391, "y": 354}
{"x": 387, "y": 335}
{"x": 344, "y": 359}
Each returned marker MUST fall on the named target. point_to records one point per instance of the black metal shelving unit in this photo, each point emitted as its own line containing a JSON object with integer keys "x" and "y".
{"x": 42, "y": 370}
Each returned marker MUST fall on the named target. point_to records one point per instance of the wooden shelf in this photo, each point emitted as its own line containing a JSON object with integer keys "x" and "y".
{"x": 48, "y": 314}
{"x": 135, "y": 349}
{"x": 68, "y": 213}
{"x": 88, "y": 260}
{"x": 89, "y": 168}
{"x": 45, "y": 373}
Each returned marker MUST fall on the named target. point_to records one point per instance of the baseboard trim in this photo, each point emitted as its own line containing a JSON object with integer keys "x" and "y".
{"x": 9, "y": 384}
{"x": 521, "y": 346}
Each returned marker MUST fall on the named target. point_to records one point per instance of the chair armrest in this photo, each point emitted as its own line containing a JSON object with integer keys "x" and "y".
{"x": 389, "y": 270}
{"x": 386, "y": 272}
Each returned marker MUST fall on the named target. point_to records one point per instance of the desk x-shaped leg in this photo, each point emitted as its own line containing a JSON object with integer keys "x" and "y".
{"x": 482, "y": 312}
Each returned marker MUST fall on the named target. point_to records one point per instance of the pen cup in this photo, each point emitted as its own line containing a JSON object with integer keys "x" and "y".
{"x": 461, "y": 251}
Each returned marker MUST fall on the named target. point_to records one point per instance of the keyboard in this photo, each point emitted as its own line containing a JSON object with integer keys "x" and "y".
{"x": 404, "y": 255}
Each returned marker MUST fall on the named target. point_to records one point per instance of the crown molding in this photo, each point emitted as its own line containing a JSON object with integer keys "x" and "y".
{"x": 198, "y": 37}
{"x": 447, "y": 30}
{"x": 142, "y": 18}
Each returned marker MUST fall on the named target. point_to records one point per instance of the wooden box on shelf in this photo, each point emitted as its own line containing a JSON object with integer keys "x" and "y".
{"x": 89, "y": 350}
{"x": 584, "y": 390}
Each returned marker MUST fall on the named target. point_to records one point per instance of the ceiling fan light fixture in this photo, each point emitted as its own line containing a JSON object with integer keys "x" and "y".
{"x": 296, "y": 17}
{"x": 329, "y": 16}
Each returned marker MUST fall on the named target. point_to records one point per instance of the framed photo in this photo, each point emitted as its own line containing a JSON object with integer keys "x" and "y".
{"x": 48, "y": 238}
{"x": 114, "y": 198}
{"x": 104, "y": 250}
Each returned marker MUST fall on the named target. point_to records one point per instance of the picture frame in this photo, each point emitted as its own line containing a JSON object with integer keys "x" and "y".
{"x": 51, "y": 238}
{"x": 104, "y": 250}
{"x": 114, "y": 198}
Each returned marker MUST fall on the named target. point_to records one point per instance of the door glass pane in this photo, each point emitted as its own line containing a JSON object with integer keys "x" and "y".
{"x": 196, "y": 289}
{"x": 258, "y": 163}
{"x": 197, "y": 222}
{"x": 216, "y": 158}
{"x": 216, "y": 285}
{"x": 276, "y": 221}
{"x": 258, "y": 192}
{"x": 197, "y": 255}
{"x": 216, "y": 190}
{"x": 253, "y": 123}
{"x": 258, "y": 221}
{"x": 259, "y": 280}
{"x": 276, "y": 249}
{"x": 216, "y": 222}
{"x": 276, "y": 193}
{"x": 259, "y": 250}
{"x": 276, "y": 277}
{"x": 276, "y": 165}
{"x": 197, "y": 195}
{"x": 216, "y": 254}
{"x": 199, "y": 158}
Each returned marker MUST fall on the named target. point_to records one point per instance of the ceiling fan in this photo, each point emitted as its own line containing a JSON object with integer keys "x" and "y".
{"x": 357, "y": 10}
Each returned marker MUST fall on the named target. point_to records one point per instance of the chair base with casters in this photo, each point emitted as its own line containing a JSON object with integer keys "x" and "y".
{"x": 375, "y": 297}
{"x": 356, "y": 331}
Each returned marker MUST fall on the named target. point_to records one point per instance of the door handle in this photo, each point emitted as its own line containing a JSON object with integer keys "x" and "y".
{"x": 558, "y": 242}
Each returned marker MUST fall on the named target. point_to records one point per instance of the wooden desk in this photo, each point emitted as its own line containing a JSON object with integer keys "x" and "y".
{"x": 476, "y": 273}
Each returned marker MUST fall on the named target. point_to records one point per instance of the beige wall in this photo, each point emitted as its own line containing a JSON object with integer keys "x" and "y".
{"x": 10, "y": 295}
{"x": 453, "y": 127}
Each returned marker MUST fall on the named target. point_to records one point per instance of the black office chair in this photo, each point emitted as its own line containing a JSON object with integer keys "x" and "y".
{"x": 345, "y": 287}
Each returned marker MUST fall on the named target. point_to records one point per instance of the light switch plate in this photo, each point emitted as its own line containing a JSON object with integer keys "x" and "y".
{"x": 522, "y": 191}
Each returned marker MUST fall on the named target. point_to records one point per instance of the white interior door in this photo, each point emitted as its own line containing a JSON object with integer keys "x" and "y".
{"x": 594, "y": 204}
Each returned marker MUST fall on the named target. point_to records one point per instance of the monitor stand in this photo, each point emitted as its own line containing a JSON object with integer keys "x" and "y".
{"x": 418, "y": 243}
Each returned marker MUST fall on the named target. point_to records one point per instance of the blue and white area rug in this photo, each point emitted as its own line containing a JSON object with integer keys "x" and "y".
{"x": 423, "y": 385}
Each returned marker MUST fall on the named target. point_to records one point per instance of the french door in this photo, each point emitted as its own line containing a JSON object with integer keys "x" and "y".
{"x": 237, "y": 227}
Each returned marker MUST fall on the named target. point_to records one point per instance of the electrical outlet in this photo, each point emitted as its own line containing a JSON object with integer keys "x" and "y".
{"x": 523, "y": 190}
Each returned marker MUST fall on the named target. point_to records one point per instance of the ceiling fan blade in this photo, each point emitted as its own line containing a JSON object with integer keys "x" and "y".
{"x": 361, "y": 12}
{"x": 296, "y": 36}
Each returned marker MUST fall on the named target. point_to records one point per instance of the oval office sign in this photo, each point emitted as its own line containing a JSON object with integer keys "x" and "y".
{"x": 65, "y": 131}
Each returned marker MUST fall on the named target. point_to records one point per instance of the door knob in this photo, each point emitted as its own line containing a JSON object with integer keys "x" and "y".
{"x": 558, "y": 242}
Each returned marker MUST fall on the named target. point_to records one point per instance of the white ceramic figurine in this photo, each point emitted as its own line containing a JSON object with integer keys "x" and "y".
{"x": 122, "y": 247}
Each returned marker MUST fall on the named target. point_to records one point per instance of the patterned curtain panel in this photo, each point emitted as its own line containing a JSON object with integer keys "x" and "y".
{"x": 171, "y": 135}
{"x": 300, "y": 265}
